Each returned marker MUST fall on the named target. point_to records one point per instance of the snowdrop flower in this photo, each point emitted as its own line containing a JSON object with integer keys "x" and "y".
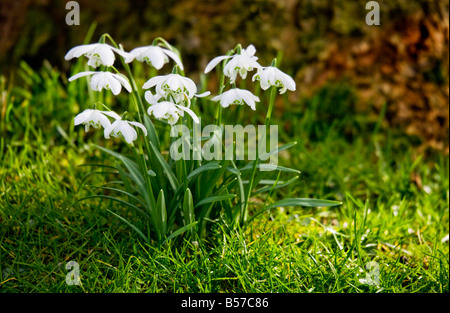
{"x": 237, "y": 96}
{"x": 106, "y": 80}
{"x": 179, "y": 88}
{"x": 272, "y": 76}
{"x": 239, "y": 63}
{"x": 121, "y": 128}
{"x": 94, "y": 118}
{"x": 97, "y": 53}
{"x": 153, "y": 55}
{"x": 167, "y": 110}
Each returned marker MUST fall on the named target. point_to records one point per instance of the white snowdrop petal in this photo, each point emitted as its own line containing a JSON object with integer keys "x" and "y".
{"x": 106, "y": 55}
{"x": 150, "y": 98}
{"x": 289, "y": 82}
{"x": 104, "y": 121}
{"x": 140, "y": 126}
{"x": 112, "y": 114}
{"x": 213, "y": 63}
{"x": 204, "y": 94}
{"x": 247, "y": 97}
{"x": 251, "y": 50}
{"x": 78, "y": 51}
{"x": 128, "y": 132}
{"x": 174, "y": 82}
{"x": 81, "y": 74}
{"x": 110, "y": 128}
{"x": 156, "y": 57}
{"x": 190, "y": 112}
{"x": 153, "y": 82}
{"x": 190, "y": 86}
{"x": 114, "y": 85}
{"x": 120, "y": 52}
{"x": 123, "y": 81}
{"x": 174, "y": 57}
{"x": 134, "y": 54}
{"x": 81, "y": 117}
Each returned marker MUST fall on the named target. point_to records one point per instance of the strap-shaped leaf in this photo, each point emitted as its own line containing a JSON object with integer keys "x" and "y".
{"x": 303, "y": 202}
{"x": 277, "y": 150}
{"x": 129, "y": 224}
{"x": 179, "y": 232}
{"x": 188, "y": 209}
{"x": 168, "y": 171}
{"x": 206, "y": 167}
{"x": 270, "y": 167}
{"x": 151, "y": 132}
{"x": 279, "y": 185}
{"x": 132, "y": 167}
{"x": 161, "y": 214}
{"x": 306, "y": 202}
{"x": 215, "y": 199}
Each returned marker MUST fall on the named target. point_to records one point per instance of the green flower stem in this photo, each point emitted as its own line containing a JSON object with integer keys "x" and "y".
{"x": 218, "y": 117}
{"x": 273, "y": 93}
{"x": 244, "y": 213}
{"x": 141, "y": 111}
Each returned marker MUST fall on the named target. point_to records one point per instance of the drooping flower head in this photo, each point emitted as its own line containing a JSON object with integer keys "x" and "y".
{"x": 121, "y": 128}
{"x": 94, "y": 118}
{"x": 237, "y": 96}
{"x": 97, "y": 53}
{"x": 272, "y": 76}
{"x": 240, "y": 63}
{"x": 153, "y": 55}
{"x": 167, "y": 110}
{"x": 174, "y": 87}
{"x": 105, "y": 80}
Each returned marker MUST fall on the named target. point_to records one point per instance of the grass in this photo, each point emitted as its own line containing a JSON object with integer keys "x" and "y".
{"x": 395, "y": 208}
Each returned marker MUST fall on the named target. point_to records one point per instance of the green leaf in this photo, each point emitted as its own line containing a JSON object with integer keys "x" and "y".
{"x": 279, "y": 185}
{"x": 306, "y": 202}
{"x": 188, "y": 208}
{"x": 132, "y": 167}
{"x": 179, "y": 231}
{"x": 168, "y": 171}
{"x": 130, "y": 196}
{"x": 270, "y": 167}
{"x": 212, "y": 180}
{"x": 277, "y": 150}
{"x": 303, "y": 202}
{"x": 152, "y": 136}
{"x": 129, "y": 224}
{"x": 206, "y": 167}
{"x": 111, "y": 198}
{"x": 161, "y": 214}
{"x": 215, "y": 199}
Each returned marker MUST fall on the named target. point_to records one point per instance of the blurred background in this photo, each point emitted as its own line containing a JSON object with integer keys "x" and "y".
{"x": 399, "y": 69}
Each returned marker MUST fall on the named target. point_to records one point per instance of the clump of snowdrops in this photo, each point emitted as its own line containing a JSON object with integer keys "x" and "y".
{"x": 182, "y": 196}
